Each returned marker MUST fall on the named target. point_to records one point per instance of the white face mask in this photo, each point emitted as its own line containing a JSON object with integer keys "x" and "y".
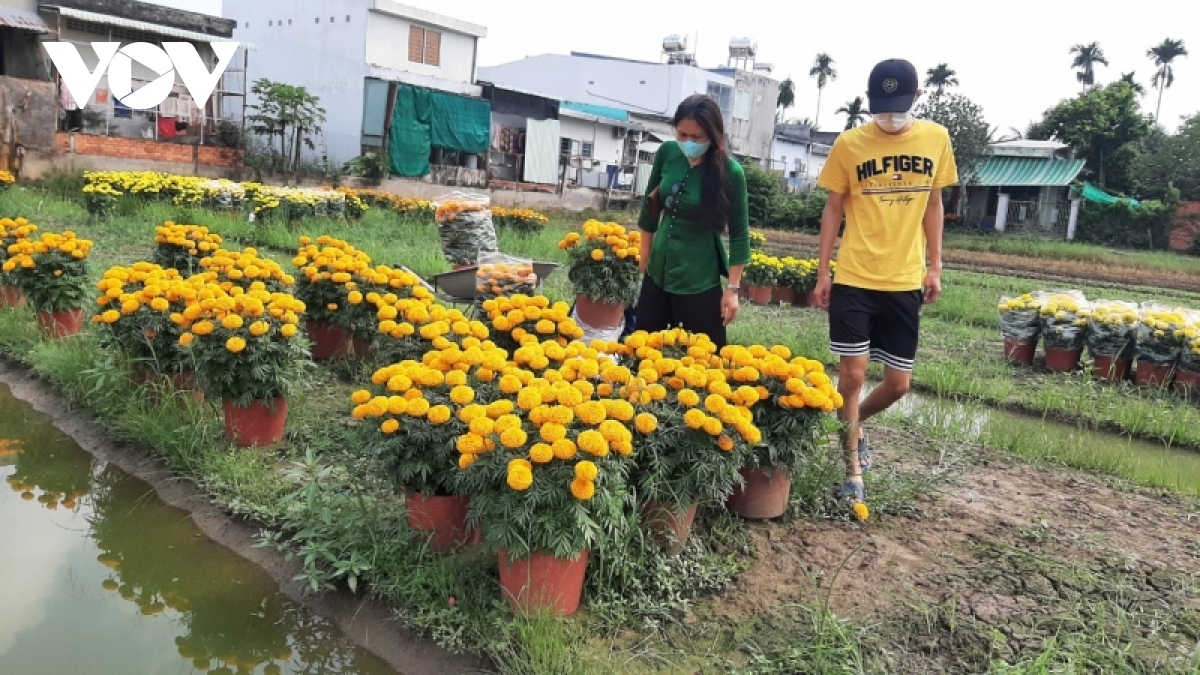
{"x": 893, "y": 122}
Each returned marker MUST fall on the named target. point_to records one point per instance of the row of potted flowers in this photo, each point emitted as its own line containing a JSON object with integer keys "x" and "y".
{"x": 1164, "y": 341}
{"x": 788, "y": 280}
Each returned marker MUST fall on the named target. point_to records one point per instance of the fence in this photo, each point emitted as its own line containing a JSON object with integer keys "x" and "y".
{"x": 1035, "y": 217}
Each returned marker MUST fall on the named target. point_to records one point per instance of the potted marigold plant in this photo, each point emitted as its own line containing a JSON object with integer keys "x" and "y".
{"x": 410, "y": 328}
{"x": 245, "y": 270}
{"x": 1064, "y": 319}
{"x": 182, "y": 247}
{"x": 1159, "y": 344}
{"x": 523, "y": 221}
{"x": 382, "y": 286}
{"x": 1020, "y": 327}
{"x": 789, "y": 286}
{"x": 328, "y": 285}
{"x": 52, "y": 273}
{"x": 603, "y": 266}
{"x": 542, "y": 476}
{"x": 759, "y": 276}
{"x": 11, "y": 231}
{"x": 248, "y": 353}
{"x": 1110, "y": 339}
{"x": 142, "y": 310}
{"x": 521, "y": 319}
{"x": 415, "y": 417}
{"x": 693, "y": 442}
{"x": 757, "y": 240}
{"x": 1187, "y": 380}
{"x": 796, "y": 397}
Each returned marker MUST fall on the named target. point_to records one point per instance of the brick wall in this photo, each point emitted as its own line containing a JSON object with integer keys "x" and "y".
{"x": 155, "y": 151}
{"x": 1185, "y": 227}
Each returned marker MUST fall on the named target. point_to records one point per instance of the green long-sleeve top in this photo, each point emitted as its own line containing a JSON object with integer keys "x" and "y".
{"x": 688, "y": 255}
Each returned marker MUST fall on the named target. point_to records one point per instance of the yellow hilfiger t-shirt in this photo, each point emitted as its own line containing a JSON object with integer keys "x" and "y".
{"x": 887, "y": 181}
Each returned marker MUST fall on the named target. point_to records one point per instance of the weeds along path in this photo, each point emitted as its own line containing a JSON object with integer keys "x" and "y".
{"x": 1009, "y": 563}
{"x": 1095, "y": 273}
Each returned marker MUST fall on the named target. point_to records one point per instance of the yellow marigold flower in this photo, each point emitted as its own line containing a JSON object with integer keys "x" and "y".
{"x": 861, "y": 512}
{"x": 462, "y": 395}
{"x": 389, "y": 426}
{"x": 465, "y": 460}
{"x": 510, "y": 384}
{"x": 482, "y": 426}
{"x": 160, "y": 304}
{"x": 725, "y": 443}
{"x": 520, "y": 475}
{"x": 360, "y": 397}
{"x": 417, "y": 407}
{"x": 591, "y": 413}
{"x": 712, "y": 426}
{"x": 513, "y": 438}
{"x": 529, "y": 398}
{"x": 456, "y": 378}
{"x": 715, "y": 404}
{"x": 564, "y": 448}
{"x": 354, "y": 298}
{"x": 593, "y": 443}
{"x": 260, "y": 328}
{"x": 646, "y": 423}
{"x": 333, "y": 307}
{"x": 586, "y": 471}
{"x": 541, "y": 453}
{"x": 694, "y": 419}
{"x": 689, "y": 398}
{"x": 186, "y": 339}
{"x": 111, "y": 316}
{"x": 439, "y": 414}
{"x": 582, "y": 490}
{"x": 232, "y": 322}
{"x": 288, "y": 330}
{"x": 551, "y": 432}
{"x": 235, "y": 344}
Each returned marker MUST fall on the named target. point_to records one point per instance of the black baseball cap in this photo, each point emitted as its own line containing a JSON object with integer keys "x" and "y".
{"x": 892, "y": 87}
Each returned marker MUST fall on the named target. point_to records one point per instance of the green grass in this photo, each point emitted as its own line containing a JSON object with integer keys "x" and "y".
{"x": 1054, "y": 249}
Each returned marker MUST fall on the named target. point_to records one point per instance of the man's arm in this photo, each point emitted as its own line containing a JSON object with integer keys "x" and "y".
{"x": 935, "y": 219}
{"x": 831, "y": 222}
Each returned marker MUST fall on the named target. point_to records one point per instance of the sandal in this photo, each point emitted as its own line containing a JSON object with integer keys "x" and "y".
{"x": 854, "y": 496}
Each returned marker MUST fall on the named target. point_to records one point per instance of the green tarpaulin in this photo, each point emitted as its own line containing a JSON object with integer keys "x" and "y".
{"x": 1094, "y": 194}
{"x": 423, "y": 119}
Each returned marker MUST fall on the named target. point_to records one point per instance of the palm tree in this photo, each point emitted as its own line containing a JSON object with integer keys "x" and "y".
{"x": 822, "y": 70}
{"x": 787, "y": 96}
{"x": 806, "y": 122}
{"x": 1136, "y": 86}
{"x": 1086, "y": 58}
{"x": 854, "y": 111}
{"x": 941, "y": 77}
{"x": 1164, "y": 77}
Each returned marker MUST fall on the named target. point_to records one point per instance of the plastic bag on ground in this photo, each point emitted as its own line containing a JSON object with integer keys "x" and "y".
{"x": 1161, "y": 334}
{"x": 465, "y": 227}
{"x": 1064, "y": 319}
{"x": 1111, "y": 328}
{"x": 1019, "y": 317}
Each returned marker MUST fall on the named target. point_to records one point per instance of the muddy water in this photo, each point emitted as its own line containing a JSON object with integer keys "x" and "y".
{"x": 97, "y": 575}
{"x": 1141, "y": 461}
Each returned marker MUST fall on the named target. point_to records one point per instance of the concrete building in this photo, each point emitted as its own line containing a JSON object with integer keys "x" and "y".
{"x": 353, "y": 54}
{"x": 1022, "y": 186}
{"x": 648, "y": 90}
{"x": 799, "y": 154}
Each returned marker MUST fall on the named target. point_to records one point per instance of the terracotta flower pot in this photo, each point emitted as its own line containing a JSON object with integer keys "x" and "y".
{"x": 329, "y": 341}
{"x": 668, "y": 526}
{"x": 262, "y": 423}
{"x": 444, "y": 517}
{"x": 759, "y": 295}
{"x": 1111, "y": 368}
{"x": 1187, "y": 382}
{"x": 542, "y": 582}
{"x": 1152, "y": 376}
{"x": 1061, "y": 360}
{"x": 600, "y": 315}
{"x": 11, "y": 297}
{"x": 783, "y": 295}
{"x": 61, "y": 324}
{"x": 762, "y": 497}
{"x": 1020, "y": 352}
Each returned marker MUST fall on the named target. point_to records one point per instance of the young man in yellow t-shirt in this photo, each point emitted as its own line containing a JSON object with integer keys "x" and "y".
{"x": 886, "y": 178}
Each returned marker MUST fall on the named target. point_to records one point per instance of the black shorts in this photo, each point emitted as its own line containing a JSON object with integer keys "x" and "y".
{"x": 881, "y": 324}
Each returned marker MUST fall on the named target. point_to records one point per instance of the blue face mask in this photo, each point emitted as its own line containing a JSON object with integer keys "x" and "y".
{"x": 694, "y": 150}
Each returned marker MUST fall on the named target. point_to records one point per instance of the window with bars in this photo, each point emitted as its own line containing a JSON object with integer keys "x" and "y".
{"x": 586, "y": 152}
{"x": 424, "y": 46}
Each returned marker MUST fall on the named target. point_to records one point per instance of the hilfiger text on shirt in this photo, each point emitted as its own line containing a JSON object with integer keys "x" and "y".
{"x": 922, "y": 166}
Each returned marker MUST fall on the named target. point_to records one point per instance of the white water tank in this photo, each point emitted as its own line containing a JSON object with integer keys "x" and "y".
{"x": 674, "y": 44}
{"x": 742, "y": 48}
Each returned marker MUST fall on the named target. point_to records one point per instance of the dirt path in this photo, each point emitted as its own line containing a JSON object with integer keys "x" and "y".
{"x": 365, "y": 622}
{"x": 1009, "y": 550}
{"x": 1107, "y": 274}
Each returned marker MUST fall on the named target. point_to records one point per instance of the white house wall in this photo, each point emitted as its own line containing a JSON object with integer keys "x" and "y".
{"x": 301, "y": 47}
{"x": 606, "y": 149}
{"x": 387, "y": 46}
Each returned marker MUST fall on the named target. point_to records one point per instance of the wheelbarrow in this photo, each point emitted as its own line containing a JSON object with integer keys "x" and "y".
{"x": 457, "y": 287}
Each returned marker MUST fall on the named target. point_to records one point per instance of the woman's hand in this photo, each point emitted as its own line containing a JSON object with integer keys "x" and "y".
{"x": 729, "y": 306}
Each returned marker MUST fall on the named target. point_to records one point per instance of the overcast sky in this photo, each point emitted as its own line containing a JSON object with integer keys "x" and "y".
{"x": 1011, "y": 56}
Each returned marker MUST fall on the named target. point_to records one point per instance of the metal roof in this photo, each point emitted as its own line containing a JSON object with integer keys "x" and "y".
{"x": 1027, "y": 171}
{"x": 23, "y": 19}
{"x": 144, "y": 26}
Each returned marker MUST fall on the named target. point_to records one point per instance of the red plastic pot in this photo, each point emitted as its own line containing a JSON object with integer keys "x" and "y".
{"x": 11, "y": 297}
{"x": 783, "y": 295}
{"x": 762, "y": 497}
{"x": 670, "y": 527}
{"x": 61, "y": 324}
{"x": 1112, "y": 369}
{"x": 540, "y": 582}
{"x": 1187, "y": 382}
{"x": 1020, "y": 352}
{"x": 759, "y": 295}
{"x": 600, "y": 315}
{"x": 328, "y": 341}
{"x": 1061, "y": 360}
{"x": 443, "y": 517}
{"x": 262, "y": 423}
{"x": 1152, "y": 376}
